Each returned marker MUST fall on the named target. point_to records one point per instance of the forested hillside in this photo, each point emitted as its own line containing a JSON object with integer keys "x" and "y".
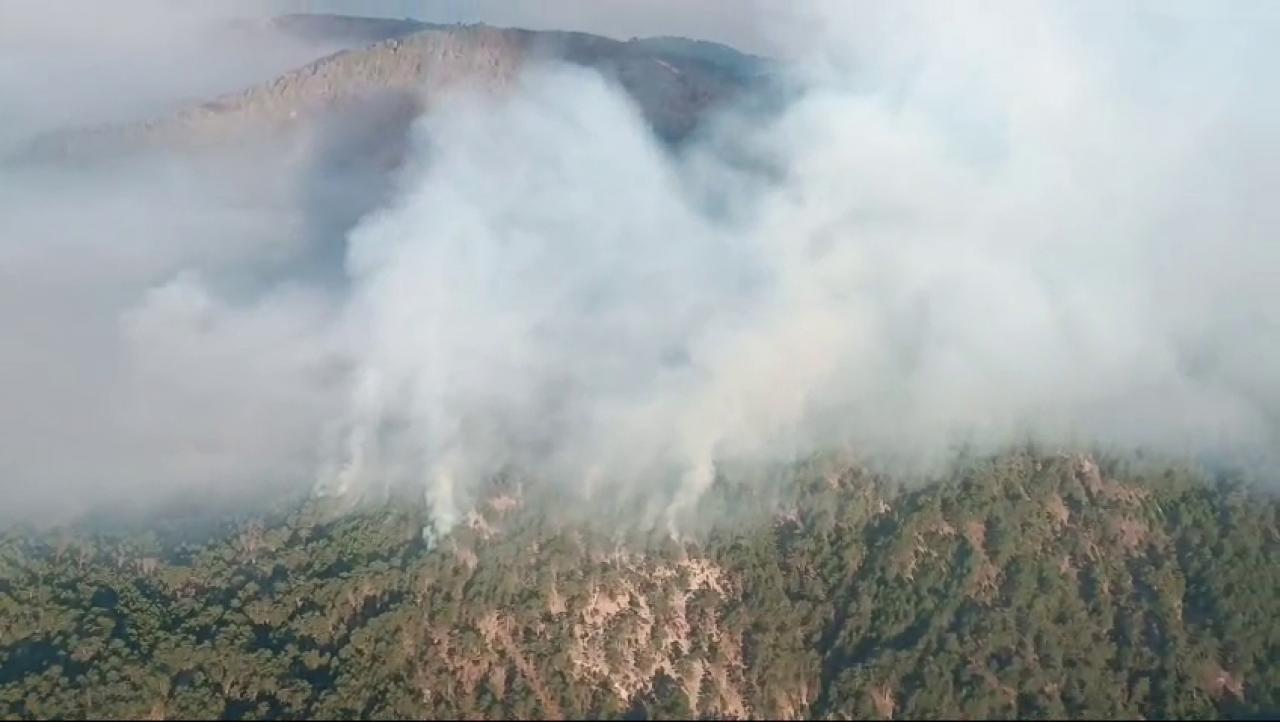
{"x": 1023, "y": 586}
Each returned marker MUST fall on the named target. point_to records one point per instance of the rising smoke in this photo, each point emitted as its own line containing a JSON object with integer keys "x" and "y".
{"x": 979, "y": 237}
{"x": 1027, "y": 222}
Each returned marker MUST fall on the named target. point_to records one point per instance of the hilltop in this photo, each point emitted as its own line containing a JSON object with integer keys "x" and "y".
{"x": 396, "y": 70}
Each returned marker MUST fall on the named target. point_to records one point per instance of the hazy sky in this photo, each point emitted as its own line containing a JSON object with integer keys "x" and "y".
{"x": 731, "y": 21}
{"x": 748, "y": 24}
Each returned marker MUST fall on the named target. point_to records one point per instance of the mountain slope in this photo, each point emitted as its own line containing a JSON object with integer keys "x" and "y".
{"x": 409, "y": 66}
{"x": 1023, "y": 586}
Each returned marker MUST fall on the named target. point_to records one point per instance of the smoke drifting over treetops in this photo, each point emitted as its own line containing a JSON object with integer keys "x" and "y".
{"x": 1018, "y": 223}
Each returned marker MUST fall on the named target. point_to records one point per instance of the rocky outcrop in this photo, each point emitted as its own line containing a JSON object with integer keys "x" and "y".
{"x": 674, "y": 82}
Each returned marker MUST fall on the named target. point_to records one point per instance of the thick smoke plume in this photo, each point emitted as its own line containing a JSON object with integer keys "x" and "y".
{"x": 1029, "y": 222}
{"x": 984, "y": 228}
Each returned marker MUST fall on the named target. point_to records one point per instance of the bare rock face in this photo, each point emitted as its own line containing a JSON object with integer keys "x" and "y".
{"x": 675, "y": 82}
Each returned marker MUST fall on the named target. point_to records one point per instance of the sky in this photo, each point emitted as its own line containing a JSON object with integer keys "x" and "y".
{"x": 750, "y": 25}
{"x": 730, "y": 22}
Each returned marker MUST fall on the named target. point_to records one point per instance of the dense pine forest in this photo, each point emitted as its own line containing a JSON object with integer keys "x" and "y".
{"x": 1023, "y": 586}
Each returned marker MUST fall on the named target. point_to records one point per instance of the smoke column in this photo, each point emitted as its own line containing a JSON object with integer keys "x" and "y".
{"x": 1027, "y": 223}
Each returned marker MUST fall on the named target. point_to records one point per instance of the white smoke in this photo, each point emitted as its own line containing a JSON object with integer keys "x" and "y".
{"x": 1022, "y": 222}
{"x": 144, "y": 354}
{"x": 982, "y": 235}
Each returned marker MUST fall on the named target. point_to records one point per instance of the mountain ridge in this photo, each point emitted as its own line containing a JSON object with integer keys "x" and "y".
{"x": 675, "y": 82}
